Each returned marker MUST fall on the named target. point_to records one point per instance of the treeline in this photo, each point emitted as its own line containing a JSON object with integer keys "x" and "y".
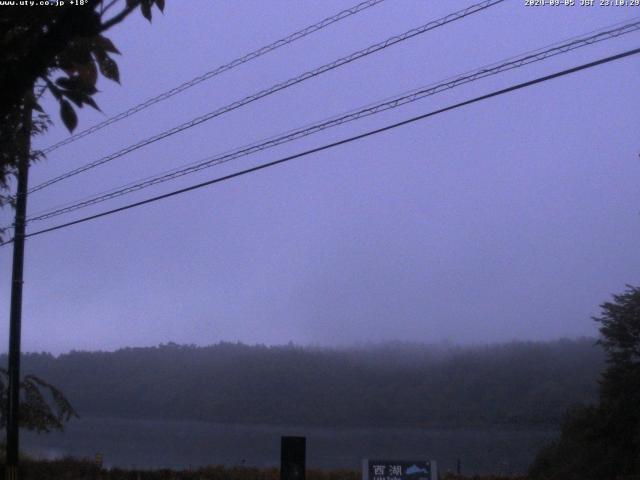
{"x": 515, "y": 384}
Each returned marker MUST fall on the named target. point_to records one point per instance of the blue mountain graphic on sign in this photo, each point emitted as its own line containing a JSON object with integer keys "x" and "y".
{"x": 414, "y": 469}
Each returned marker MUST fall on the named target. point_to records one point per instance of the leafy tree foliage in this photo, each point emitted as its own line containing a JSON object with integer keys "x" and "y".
{"x": 603, "y": 441}
{"x": 42, "y": 406}
{"x": 59, "y": 49}
{"x": 62, "y": 50}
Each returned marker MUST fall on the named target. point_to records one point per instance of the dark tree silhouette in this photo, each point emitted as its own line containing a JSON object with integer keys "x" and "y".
{"x": 60, "y": 49}
{"x": 42, "y": 406}
{"x": 603, "y": 441}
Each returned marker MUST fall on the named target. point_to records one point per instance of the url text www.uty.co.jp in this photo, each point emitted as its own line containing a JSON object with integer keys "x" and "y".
{"x": 581, "y": 3}
{"x": 42, "y": 3}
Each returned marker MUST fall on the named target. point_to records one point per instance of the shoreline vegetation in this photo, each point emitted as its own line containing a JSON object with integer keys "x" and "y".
{"x": 85, "y": 469}
{"x": 509, "y": 385}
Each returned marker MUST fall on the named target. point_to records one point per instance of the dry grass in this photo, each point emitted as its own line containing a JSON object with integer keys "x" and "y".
{"x": 74, "y": 469}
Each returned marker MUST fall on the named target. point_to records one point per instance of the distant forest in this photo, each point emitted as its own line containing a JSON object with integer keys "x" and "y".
{"x": 521, "y": 384}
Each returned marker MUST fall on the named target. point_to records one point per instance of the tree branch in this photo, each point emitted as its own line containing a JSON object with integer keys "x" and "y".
{"x": 107, "y": 7}
{"x": 119, "y": 17}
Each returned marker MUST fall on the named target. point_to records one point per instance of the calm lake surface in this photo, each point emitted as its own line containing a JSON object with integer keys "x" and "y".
{"x": 182, "y": 444}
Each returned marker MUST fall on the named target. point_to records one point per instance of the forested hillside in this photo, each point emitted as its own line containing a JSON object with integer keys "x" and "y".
{"x": 516, "y": 384}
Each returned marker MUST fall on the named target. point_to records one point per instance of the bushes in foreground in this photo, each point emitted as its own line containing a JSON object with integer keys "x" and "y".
{"x": 73, "y": 469}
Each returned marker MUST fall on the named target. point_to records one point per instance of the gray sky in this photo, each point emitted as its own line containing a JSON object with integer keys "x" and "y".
{"x": 509, "y": 219}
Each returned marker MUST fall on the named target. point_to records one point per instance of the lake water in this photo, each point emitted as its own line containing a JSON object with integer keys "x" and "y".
{"x": 182, "y": 444}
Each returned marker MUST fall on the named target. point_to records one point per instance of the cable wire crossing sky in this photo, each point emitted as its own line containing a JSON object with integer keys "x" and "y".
{"x": 511, "y": 214}
{"x": 342, "y": 142}
{"x": 278, "y": 87}
{"x": 217, "y": 71}
{"x": 479, "y": 73}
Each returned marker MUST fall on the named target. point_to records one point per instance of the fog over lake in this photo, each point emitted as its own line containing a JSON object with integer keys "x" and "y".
{"x": 184, "y": 444}
{"x": 391, "y": 236}
{"x": 492, "y": 407}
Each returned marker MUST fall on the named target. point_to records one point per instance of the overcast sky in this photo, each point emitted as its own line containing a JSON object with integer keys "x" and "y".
{"x": 513, "y": 218}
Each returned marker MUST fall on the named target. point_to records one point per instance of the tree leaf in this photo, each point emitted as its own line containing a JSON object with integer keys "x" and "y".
{"x": 68, "y": 83}
{"x": 42, "y": 406}
{"x": 105, "y": 44}
{"x": 88, "y": 74}
{"x": 91, "y": 102}
{"x": 68, "y": 115}
{"x": 80, "y": 96}
{"x": 79, "y": 52}
{"x": 109, "y": 67}
{"x": 54, "y": 90}
{"x": 75, "y": 96}
{"x": 145, "y": 7}
{"x": 160, "y": 4}
{"x": 77, "y": 84}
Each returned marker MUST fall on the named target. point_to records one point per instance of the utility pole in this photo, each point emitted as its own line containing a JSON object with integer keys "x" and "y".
{"x": 15, "y": 321}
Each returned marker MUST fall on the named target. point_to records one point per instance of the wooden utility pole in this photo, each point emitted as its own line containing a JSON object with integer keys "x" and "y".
{"x": 15, "y": 320}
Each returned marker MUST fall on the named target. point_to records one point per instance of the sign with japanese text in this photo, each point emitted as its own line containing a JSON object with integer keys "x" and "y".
{"x": 399, "y": 470}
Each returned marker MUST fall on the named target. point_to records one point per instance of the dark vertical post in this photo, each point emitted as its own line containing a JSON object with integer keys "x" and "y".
{"x": 15, "y": 320}
{"x": 292, "y": 458}
{"x": 459, "y": 467}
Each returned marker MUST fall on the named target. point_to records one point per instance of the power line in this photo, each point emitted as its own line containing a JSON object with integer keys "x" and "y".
{"x": 515, "y": 62}
{"x": 494, "y": 69}
{"x": 217, "y": 71}
{"x": 276, "y": 88}
{"x": 600, "y": 34}
{"x": 342, "y": 142}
